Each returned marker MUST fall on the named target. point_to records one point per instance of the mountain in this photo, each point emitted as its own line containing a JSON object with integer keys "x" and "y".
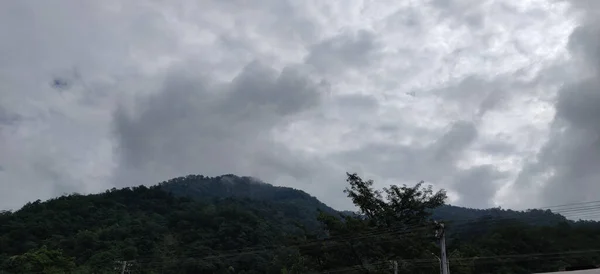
{"x": 456, "y": 214}
{"x": 290, "y": 203}
{"x": 295, "y": 203}
{"x": 232, "y": 224}
{"x": 175, "y": 225}
{"x": 162, "y": 232}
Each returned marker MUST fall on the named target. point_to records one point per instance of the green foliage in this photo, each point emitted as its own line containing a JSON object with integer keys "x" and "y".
{"x": 290, "y": 204}
{"x": 515, "y": 247}
{"x": 41, "y": 260}
{"x": 148, "y": 225}
{"x": 382, "y": 231}
{"x": 532, "y": 216}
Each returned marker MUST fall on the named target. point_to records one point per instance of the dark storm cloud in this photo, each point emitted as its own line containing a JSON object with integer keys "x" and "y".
{"x": 196, "y": 126}
{"x": 571, "y": 157}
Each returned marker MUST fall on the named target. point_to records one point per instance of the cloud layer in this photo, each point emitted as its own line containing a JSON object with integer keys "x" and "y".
{"x": 566, "y": 167}
{"x": 495, "y": 101}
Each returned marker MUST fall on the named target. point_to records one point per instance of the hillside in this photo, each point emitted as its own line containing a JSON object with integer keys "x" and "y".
{"x": 162, "y": 232}
{"x": 455, "y": 215}
{"x": 296, "y": 203}
{"x": 290, "y": 203}
{"x": 231, "y": 224}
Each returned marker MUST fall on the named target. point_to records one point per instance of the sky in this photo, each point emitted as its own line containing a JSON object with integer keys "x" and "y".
{"x": 494, "y": 101}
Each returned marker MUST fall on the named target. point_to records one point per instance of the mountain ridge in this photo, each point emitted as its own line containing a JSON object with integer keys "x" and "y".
{"x": 249, "y": 187}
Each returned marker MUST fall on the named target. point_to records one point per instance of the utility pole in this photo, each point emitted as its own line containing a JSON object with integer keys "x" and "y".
{"x": 441, "y": 234}
{"x": 124, "y": 267}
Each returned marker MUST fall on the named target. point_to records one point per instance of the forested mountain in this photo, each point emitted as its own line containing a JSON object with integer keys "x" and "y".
{"x": 231, "y": 224}
{"x": 234, "y": 186}
{"x": 163, "y": 233}
{"x": 533, "y": 216}
{"x": 290, "y": 203}
{"x": 198, "y": 186}
{"x": 290, "y": 199}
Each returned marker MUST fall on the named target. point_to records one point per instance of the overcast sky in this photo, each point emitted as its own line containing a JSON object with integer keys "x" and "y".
{"x": 497, "y": 102}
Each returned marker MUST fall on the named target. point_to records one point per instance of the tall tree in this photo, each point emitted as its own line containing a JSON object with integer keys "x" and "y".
{"x": 393, "y": 224}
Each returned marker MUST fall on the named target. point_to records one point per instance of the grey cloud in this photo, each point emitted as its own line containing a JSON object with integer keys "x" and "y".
{"x": 579, "y": 105}
{"x": 570, "y": 158}
{"x": 118, "y": 52}
{"x": 195, "y": 126}
{"x": 572, "y": 153}
{"x": 347, "y": 50}
{"x": 53, "y": 175}
{"x": 475, "y": 93}
{"x": 461, "y": 11}
{"x": 8, "y": 118}
{"x": 455, "y": 141}
{"x": 498, "y": 147}
{"x": 387, "y": 161}
{"x": 406, "y": 19}
{"x": 291, "y": 23}
{"x": 259, "y": 87}
{"x": 434, "y": 163}
{"x": 583, "y": 44}
{"x": 493, "y": 100}
{"x": 366, "y": 102}
{"x": 589, "y": 7}
{"x": 477, "y": 186}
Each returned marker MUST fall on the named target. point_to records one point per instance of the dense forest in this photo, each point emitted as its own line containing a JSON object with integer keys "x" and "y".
{"x": 231, "y": 224}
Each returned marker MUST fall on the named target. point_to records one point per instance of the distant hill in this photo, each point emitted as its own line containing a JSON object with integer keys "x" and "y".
{"x": 162, "y": 232}
{"x": 532, "y": 216}
{"x": 240, "y": 187}
{"x": 290, "y": 203}
{"x": 294, "y": 203}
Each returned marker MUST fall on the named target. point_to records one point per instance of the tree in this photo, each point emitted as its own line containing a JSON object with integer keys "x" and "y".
{"x": 42, "y": 260}
{"x": 402, "y": 206}
{"x": 392, "y": 226}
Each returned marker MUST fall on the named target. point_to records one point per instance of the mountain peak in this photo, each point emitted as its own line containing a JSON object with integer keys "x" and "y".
{"x": 232, "y": 178}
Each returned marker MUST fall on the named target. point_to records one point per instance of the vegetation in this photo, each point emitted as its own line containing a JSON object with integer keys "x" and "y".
{"x": 230, "y": 224}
